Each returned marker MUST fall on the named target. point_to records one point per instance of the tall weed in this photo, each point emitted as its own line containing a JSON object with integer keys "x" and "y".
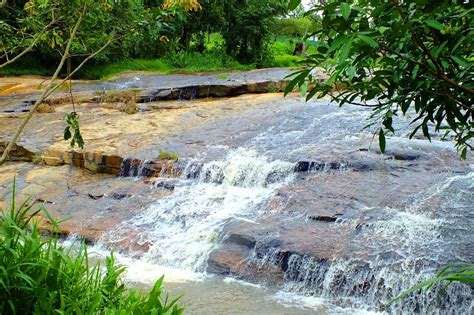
{"x": 40, "y": 276}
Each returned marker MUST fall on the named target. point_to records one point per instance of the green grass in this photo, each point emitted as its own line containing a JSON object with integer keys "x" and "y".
{"x": 106, "y": 71}
{"x": 187, "y": 62}
{"x": 40, "y": 276}
{"x": 179, "y": 62}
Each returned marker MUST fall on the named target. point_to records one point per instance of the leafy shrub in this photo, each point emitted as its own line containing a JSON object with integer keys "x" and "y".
{"x": 106, "y": 71}
{"x": 38, "y": 275}
{"x": 282, "y": 47}
{"x": 294, "y": 27}
{"x": 284, "y": 61}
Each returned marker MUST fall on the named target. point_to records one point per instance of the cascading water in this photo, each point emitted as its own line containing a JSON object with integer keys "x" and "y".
{"x": 182, "y": 228}
{"x": 395, "y": 238}
{"x": 400, "y": 249}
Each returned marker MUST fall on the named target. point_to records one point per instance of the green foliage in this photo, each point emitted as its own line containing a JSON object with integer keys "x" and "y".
{"x": 284, "y": 60}
{"x": 247, "y": 31}
{"x": 145, "y": 29}
{"x": 109, "y": 70}
{"x": 294, "y": 27}
{"x": 40, "y": 276}
{"x": 458, "y": 272}
{"x": 196, "y": 62}
{"x": 399, "y": 58}
{"x": 165, "y": 155}
{"x": 272, "y": 88}
{"x": 179, "y": 62}
{"x": 72, "y": 130}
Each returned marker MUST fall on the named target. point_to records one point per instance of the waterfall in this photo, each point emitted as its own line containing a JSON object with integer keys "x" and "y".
{"x": 182, "y": 229}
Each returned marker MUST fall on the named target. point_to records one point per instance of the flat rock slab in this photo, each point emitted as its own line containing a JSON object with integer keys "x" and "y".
{"x": 18, "y": 94}
{"x": 86, "y": 204}
{"x": 349, "y": 218}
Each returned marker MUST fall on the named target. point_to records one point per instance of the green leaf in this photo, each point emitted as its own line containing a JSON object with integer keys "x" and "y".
{"x": 293, "y": 4}
{"x": 434, "y": 24}
{"x": 303, "y": 88}
{"x": 345, "y": 10}
{"x": 345, "y": 51}
{"x": 67, "y": 133}
{"x": 382, "y": 140}
{"x": 383, "y": 29}
{"x": 368, "y": 40}
{"x": 461, "y": 61}
{"x": 337, "y": 42}
{"x": 424, "y": 128}
{"x": 351, "y": 71}
{"x": 415, "y": 72}
{"x": 299, "y": 79}
{"x": 464, "y": 153}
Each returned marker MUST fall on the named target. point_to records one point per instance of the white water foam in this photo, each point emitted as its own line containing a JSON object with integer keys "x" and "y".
{"x": 183, "y": 228}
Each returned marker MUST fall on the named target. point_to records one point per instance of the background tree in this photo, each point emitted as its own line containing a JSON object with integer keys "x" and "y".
{"x": 200, "y": 24}
{"x": 399, "y": 58}
{"x": 247, "y": 29}
{"x": 294, "y": 26}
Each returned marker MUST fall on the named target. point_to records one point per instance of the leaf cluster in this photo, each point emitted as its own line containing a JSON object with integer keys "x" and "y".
{"x": 412, "y": 58}
{"x": 72, "y": 130}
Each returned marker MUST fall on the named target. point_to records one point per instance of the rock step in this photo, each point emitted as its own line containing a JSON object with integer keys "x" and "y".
{"x": 211, "y": 90}
{"x": 99, "y": 162}
{"x": 17, "y": 153}
{"x": 167, "y": 94}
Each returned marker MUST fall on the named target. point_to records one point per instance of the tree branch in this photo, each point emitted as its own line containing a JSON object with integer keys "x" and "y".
{"x": 29, "y": 48}
{"x": 110, "y": 41}
{"x": 46, "y": 91}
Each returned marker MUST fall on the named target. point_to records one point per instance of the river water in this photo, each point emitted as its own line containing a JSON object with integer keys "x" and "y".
{"x": 249, "y": 229}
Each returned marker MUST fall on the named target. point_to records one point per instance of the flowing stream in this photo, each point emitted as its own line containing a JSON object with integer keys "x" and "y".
{"x": 300, "y": 192}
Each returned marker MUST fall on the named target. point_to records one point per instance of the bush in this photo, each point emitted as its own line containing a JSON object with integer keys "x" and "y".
{"x": 106, "y": 71}
{"x": 165, "y": 155}
{"x": 285, "y": 61}
{"x": 38, "y": 275}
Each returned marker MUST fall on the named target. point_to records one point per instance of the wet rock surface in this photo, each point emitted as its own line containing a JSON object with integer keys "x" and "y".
{"x": 266, "y": 188}
{"x": 86, "y": 204}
